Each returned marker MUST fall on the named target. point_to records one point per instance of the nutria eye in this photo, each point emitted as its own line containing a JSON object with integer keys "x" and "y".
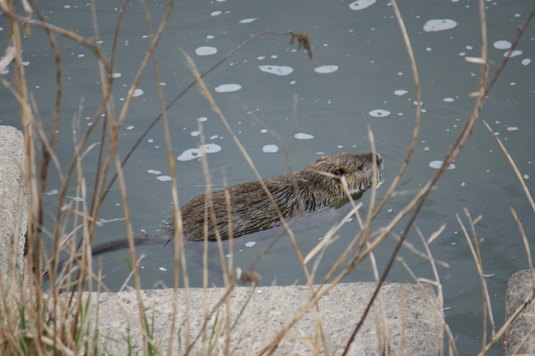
{"x": 339, "y": 172}
{"x": 361, "y": 167}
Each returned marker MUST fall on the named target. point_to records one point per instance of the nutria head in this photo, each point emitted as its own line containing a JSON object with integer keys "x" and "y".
{"x": 325, "y": 176}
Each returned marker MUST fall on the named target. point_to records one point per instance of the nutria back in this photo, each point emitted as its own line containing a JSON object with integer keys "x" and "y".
{"x": 246, "y": 208}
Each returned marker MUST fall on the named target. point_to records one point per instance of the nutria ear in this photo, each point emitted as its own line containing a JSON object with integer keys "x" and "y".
{"x": 339, "y": 172}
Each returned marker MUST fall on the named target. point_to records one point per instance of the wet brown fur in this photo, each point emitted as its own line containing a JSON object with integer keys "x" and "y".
{"x": 314, "y": 187}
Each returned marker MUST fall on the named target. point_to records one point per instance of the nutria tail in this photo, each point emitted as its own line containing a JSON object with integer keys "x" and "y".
{"x": 122, "y": 243}
{"x": 119, "y": 244}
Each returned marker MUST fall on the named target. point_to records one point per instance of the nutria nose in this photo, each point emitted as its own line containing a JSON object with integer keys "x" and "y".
{"x": 379, "y": 160}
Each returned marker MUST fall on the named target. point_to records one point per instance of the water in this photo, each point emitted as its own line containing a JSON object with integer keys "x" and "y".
{"x": 359, "y": 78}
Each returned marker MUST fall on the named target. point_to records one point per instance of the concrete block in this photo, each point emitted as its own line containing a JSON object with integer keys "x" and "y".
{"x": 13, "y": 200}
{"x": 406, "y": 322}
{"x": 520, "y": 336}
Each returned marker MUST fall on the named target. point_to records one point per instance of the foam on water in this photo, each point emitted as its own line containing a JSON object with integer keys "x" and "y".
{"x": 154, "y": 171}
{"x": 248, "y": 20}
{"x": 277, "y": 70}
{"x": 137, "y": 92}
{"x": 326, "y": 69}
{"x": 303, "y": 136}
{"x": 164, "y": 178}
{"x": 515, "y": 53}
{"x": 439, "y": 25}
{"x": 526, "y": 61}
{"x": 379, "y": 113}
{"x": 270, "y": 149}
{"x": 502, "y": 44}
{"x": 400, "y": 92}
{"x": 512, "y": 128}
{"x": 193, "y": 153}
{"x": 361, "y": 4}
{"x": 437, "y": 164}
{"x": 205, "y": 51}
{"x": 227, "y": 88}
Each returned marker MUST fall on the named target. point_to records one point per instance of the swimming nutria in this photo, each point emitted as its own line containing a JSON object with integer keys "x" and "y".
{"x": 316, "y": 186}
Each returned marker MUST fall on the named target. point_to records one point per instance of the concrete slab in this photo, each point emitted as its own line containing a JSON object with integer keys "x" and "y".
{"x": 408, "y": 322}
{"x": 13, "y": 200}
{"x": 520, "y": 336}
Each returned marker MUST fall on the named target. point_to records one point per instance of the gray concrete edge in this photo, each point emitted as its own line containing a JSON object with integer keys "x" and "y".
{"x": 13, "y": 201}
{"x": 520, "y": 336}
{"x": 406, "y": 320}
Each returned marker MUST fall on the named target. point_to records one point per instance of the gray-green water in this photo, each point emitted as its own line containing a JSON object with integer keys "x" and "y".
{"x": 359, "y": 77}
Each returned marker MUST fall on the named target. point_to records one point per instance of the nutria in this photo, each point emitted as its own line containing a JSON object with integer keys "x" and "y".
{"x": 316, "y": 186}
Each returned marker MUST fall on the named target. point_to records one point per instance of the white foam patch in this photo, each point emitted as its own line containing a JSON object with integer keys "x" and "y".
{"x": 400, "y": 92}
{"x": 526, "y": 61}
{"x": 117, "y": 75}
{"x": 270, "y": 149}
{"x": 250, "y": 243}
{"x": 277, "y": 70}
{"x": 248, "y": 20}
{"x": 379, "y": 113}
{"x": 195, "y": 133}
{"x": 202, "y": 119}
{"x": 210, "y": 148}
{"x": 515, "y": 53}
{"x": 163, "y": 269}
{"x": 227, "y": 88}
{"x": 439, "y": 25}
{"x": 303, "y": 136}
{"x": 205, "y": 51}
{"x": 437, "y": 164}
{"x": 129, "y": 128}
{"x": 137, "y": 92}
{"x": 52, "y": 192}
{"x": 154, "y": 171}
{"x": 512, "y": 128}
{"x": 502, "y": 44}
{"x": 216, "y": 13}
{"x": 77, "y": 199}
{"x": 326, "y": 69}
{"x": 193, "y": 153}
{"x": 448, "y": 100}
{"x": 361, "y": 4}
{"x": 164, "y": 178}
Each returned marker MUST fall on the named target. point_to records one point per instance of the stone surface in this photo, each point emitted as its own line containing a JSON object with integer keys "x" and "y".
{"x": 13, "y": 200}
{"x": 410, "y": 322}
{"x": 520, "y": 336}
